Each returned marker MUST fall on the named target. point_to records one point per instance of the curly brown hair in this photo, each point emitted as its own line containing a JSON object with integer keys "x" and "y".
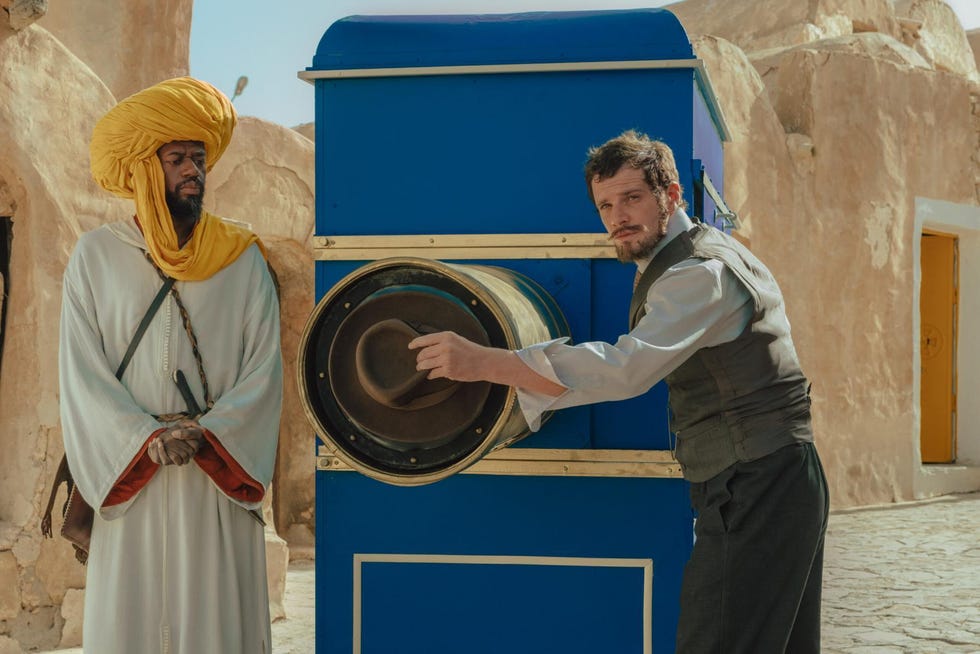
{"x": 654, "y": 158}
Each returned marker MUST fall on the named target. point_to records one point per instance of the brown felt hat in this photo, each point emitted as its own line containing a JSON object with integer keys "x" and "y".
{"x": 373, "y": 374}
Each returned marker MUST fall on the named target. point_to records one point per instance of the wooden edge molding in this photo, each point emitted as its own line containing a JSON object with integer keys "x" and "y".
{"x": 554, "y": 463}
{"x": 464, "y": 246}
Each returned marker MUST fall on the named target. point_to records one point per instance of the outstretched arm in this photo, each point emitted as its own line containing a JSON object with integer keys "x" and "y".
{"x": 449, "y": 355}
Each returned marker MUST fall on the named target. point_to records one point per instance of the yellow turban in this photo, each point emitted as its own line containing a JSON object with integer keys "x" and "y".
{"x": 124, "y": 161}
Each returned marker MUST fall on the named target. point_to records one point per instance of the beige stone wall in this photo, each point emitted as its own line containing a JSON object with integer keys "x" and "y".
{"x": 51, "y": 101}
{"x": 832, "y": 141}
{"x": 760, "y": 24}
{"x": 973, "y": 38}
{"x": 129, "y": 45}
{"x": 941, "y": 39}
{"x": 18, "y": 14}
{"x": 307, "y": 129}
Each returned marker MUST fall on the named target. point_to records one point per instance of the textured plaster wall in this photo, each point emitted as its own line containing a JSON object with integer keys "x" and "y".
{"x": 50, "y": 98}
{"x": 759, "y": 24}
{"x": 941, "y": 39}
{"x": 129, "y": 45}
{"x": 51, "y": 101}
{"x": 973, "y": 38}
{"x": 849, "y": 132}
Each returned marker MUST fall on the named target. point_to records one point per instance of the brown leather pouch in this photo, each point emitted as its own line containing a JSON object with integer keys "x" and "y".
{"x": 77, "y": 514}
{"x": 77, "y": 526}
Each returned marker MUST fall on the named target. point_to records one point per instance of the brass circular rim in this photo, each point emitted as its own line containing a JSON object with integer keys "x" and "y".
{"x": 327, "y": 438}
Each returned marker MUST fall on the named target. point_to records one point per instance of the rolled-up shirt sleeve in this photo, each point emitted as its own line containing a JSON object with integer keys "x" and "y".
{"x": 695, "y": 304}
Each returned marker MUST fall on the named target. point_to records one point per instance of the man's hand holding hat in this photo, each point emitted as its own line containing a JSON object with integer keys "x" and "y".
{"x": 446, "y": 354}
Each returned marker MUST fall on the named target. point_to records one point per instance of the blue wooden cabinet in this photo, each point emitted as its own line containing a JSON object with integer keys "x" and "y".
{"x": 462, "y": 139}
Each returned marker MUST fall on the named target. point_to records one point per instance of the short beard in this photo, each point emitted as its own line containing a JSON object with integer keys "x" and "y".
{"x": 642, "y": 249}
{"x": 185, "y": 209}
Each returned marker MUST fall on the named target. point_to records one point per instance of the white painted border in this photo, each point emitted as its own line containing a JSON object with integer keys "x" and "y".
{"x": 963, "y": 220}
{"x": 644, "y": 564}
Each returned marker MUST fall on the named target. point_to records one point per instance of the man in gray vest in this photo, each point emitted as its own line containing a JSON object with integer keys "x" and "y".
{"x": 707, "y": 317}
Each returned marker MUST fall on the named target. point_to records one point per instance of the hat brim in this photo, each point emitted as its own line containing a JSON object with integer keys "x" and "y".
{"x": 397, "y": 428}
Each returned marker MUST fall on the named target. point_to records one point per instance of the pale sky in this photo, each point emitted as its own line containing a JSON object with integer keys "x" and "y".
{"x": 271, "y": 42}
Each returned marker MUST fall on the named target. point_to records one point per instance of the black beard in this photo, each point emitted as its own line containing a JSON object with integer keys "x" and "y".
{"x": 185, "y": 209}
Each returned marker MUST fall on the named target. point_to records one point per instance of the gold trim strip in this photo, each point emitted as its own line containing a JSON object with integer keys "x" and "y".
{"x": 373, "y": 254}
{"x": 487, "y": 559}
{"x": 356, "y": 607}
{"x": 462, "y": 240}
{"x": 700, "y": 74}
{"x": 555, "y": 463}
{"x": 484, "y": 69}
{"x": 464, "y": 246}
{"x": 646, "y": 565}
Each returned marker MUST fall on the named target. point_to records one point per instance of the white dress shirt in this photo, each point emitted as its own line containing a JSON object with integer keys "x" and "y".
{"x": 694, "y": 304}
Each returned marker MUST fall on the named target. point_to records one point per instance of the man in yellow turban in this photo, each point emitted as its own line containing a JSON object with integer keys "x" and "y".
{"x": 173, "y": 443}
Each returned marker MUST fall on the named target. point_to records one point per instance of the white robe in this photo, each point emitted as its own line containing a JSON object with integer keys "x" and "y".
{"x": 180, "y": 567}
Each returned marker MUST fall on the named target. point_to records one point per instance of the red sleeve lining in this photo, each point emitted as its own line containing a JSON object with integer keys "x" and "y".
{"x": 139, "y": 472}
{"x": 212, "y": 458}
{"x": 230, "y": 477}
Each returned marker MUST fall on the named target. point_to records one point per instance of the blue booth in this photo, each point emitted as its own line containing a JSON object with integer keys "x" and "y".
{"x": 449, "y": 154}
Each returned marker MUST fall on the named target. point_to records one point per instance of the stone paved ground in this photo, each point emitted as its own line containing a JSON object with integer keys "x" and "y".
{"x": 904, "y": 578}
{"x": 898, "y": 579}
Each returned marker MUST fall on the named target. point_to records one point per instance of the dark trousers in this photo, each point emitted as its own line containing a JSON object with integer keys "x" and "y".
{"x": 753, "y": 582}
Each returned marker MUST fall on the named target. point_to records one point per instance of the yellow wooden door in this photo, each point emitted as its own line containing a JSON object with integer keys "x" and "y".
{"x": 938, "y": 306}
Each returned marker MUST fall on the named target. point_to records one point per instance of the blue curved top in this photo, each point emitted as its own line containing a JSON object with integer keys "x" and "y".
{"x": 468, "y": 40}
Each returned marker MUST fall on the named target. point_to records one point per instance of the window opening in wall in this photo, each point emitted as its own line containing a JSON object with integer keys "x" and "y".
{"x": 938, "y": 306}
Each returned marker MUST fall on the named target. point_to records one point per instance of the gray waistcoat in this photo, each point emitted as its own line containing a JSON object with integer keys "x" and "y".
{"x": 741, "y": 400}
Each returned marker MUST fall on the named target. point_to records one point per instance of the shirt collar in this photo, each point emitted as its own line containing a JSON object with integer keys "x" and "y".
{"x": 677, "y": 224}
